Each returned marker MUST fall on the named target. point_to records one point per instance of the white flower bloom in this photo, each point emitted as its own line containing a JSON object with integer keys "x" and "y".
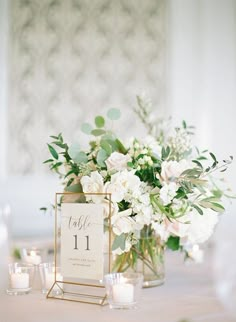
{"x": 194, "y": 228}
{"x": 122, "y": 222}
{"x": 161, "y": 231}
{"x": 170, "y": 170}
{"x": 117, "y": 191}
{"x": 168, "y": 192}
{"x": 152, "y": 144}
{"x": 117, "y": 161}
{"x": 93, "y": 184}
{"x": 143, "y": 217}
{"x": 201, "y": 227}
{"x": 177, "y": 228}
{"x": 121, "y": 183}
{"x": 106, "y": 208}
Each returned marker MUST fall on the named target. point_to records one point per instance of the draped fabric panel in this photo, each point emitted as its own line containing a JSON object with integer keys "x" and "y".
{"x": 70, "y": 60}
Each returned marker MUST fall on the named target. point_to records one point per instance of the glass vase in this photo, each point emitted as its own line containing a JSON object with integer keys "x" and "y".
{"x": 146, "y": 257}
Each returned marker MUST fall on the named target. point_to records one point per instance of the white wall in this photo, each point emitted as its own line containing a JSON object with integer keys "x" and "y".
{"x": 202, "y": 72}
{"x": 3, "y": 84}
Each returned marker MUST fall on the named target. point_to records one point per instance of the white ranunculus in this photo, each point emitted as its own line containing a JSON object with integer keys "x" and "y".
{"x": 122, "y": 222}
{"x": 168, "y": 192}
{"x": 93, "y": 184}
{"x": 117, "y": 161}
{"x": 173, "y": 169}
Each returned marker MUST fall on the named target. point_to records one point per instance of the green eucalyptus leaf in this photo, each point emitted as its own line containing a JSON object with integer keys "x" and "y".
{"x": 130, "y": 164}
{"x": 86, "y": 128}
{"x": 113, "y": 114}
{"x": 113, "y": 145}
{"x": 99, "y": 121}
{"x": 106, "y": 146}
{"x": 73, "y": 150}
{"x": 81, "y": 157}
{"x": 53, "y": 152}
{"x": 74, "y": 188}
{"x": 98, "y": 132}
{"x": 119, "y": 242}
{"x": 101, "y": 157}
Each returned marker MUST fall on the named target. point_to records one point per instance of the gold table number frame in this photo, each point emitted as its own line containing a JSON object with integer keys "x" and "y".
{"x": 78, "y": 290}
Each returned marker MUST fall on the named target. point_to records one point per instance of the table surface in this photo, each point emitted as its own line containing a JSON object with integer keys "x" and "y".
{"x": 187, "y": 295}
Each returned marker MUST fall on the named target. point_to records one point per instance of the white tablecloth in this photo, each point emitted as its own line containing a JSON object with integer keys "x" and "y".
{"x": 188, "y": 293}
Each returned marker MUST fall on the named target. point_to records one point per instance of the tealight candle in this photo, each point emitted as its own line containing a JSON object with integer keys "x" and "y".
{"x": 50, "y": 279}
{"x": 123, "y": 293}
{"x": 20, "y": 280}
{"x": 33, "y": 258}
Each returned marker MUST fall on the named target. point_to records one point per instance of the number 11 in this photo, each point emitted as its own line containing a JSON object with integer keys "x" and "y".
{"x": 76, "y": 242}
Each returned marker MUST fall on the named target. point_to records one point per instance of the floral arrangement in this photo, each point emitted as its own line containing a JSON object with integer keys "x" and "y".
{"x": 159, "y": 184}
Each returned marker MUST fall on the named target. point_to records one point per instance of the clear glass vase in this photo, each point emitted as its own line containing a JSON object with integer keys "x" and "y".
{"x": 146, "y": 257}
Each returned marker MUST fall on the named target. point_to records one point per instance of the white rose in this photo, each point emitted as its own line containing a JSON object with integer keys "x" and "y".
{"x": 173, "y": 169}
{"x": 168, "y": 192}
{"x": 93, "y": 184}
{"x": 106, "y": 208}
{"x": 122, "y": 222}
{"x": 117, "y": 161}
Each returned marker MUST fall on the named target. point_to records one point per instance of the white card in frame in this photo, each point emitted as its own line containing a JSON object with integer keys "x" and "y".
{"x": 82, "y": 236}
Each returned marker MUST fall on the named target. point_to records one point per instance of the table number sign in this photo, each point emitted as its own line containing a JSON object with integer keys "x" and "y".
{"x": 82, "y": 241}
{"x": 79, "y": 247}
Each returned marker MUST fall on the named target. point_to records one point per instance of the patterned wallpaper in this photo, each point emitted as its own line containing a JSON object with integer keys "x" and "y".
{"x": 72, "y": 59}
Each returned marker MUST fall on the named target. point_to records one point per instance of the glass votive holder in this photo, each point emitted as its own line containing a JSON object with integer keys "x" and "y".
{"x": 31, "y": 255}
{"x": 123, "y": 289}
{"x": 48, "y": 275}
{"x": 20, "y": 278}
